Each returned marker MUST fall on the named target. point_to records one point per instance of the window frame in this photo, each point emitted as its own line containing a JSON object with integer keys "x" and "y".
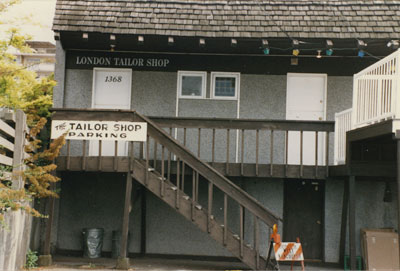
{"x": 201, "y": 74}
{"x": 235, "y": 75}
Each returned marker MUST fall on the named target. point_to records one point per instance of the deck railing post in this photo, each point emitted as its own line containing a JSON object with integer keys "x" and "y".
{"x": 356, "y": 110}
{"x": 396, "y": 95}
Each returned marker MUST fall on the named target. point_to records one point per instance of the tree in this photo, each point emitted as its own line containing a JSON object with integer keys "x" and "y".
{"x": 20, "y": 89}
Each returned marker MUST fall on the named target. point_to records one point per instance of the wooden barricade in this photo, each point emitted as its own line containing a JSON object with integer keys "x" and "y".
{"x": 284, "y": 251}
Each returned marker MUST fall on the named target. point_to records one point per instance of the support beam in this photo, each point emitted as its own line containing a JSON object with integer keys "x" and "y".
{"x": 352, "y": 222}
{"x": 345, "y": 208}
{"x": 398, "y": 180}
{"x": 45, "y": 259}
{"x": 143, "y": 222}
{"x": 123, "y": 260}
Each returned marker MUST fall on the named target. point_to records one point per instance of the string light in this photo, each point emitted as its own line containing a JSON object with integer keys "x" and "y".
{"x": 202, "y": 42}
{"x": 329, "y": 46}
{"x": 140, "y": 40}
{"x": 295, "y": 52}
{"x": 265, "y": 46}
{"x": 394, "y": 44}
{"x": 170, "y": 41}
{"x": 233, "y": 42}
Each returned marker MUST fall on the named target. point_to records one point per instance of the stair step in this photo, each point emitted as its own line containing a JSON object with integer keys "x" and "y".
{"x": 201, "y": 216}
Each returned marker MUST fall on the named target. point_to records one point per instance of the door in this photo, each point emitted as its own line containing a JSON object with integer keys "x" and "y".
{"x": 305, "y": 100}
{"x": 111, "y": 90}
{"x": 303, "y": 215}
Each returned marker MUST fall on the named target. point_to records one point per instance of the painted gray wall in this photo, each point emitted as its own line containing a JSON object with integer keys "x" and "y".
{"x": 59, "y": 76}
{"x": 333, "y": 217}
{"x": 268, "y": 192}
{"x": 154, "y": 93}
{"x": 170, "y": 233}
{"x": 371, "y": 211}
{"x": 90, "y": 200}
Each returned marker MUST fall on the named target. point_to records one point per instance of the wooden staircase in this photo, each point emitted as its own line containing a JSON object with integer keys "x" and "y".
{"x": 181, "y": 179}
{"x": 151, "y": 167}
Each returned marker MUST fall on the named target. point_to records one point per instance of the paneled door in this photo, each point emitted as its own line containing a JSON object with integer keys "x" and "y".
{"x": 306, "y": 100}
{"x": 111, "y": 90}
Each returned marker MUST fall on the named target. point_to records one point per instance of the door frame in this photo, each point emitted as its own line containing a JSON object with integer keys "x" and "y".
{"x": 91, "y": 142}
{"x": 111, "y": 69}
{"x": 325, "y": 96}
{"x": 323, "y": 212}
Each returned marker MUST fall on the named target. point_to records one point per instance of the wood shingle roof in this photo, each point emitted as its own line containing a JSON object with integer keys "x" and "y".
{"x": 367, "y": 19}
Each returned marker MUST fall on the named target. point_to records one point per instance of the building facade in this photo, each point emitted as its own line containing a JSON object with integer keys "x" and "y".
{"x": 40, "y": 60}
{"x": 267, "y": 64}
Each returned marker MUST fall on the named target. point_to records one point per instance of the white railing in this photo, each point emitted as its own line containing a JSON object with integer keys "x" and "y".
{"x": 342, "y": 125}
{"x": 375, "y": 92}
{"x": 376, "y": 97}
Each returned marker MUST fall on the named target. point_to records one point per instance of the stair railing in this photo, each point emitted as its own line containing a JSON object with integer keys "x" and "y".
{"x": 161, "y": 148}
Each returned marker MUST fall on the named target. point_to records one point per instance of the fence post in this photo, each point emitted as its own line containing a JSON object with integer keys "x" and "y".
{"x": 19, "y": 149}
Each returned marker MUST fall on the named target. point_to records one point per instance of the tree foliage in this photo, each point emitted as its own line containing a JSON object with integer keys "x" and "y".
{"x": 21, "y": 89}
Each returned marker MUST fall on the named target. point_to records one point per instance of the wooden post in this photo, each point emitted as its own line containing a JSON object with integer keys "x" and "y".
{"x": 143, "y": 223}
{"x": 45, "y": 259}
{"x": 398, "y": 179}
{"x": 352, "y": 222}
{"x": 345, "y": 207}
{"x": 123, "y": 260}
{"x": 19, "y": 146}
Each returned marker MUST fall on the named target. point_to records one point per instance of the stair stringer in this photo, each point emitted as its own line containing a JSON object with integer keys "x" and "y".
{"x": 194, "y": 213}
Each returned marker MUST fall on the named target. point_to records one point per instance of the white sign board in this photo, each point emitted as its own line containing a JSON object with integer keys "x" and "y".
{"x": 100, "y": 130}
{"x": 288, "y": 251}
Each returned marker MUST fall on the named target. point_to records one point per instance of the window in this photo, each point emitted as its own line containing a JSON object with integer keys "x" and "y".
{"x": 224, "y": 85}
{"x": 191, "y": 85}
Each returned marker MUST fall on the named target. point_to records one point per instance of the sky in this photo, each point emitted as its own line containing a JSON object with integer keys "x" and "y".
{"x": 40, "y": 14}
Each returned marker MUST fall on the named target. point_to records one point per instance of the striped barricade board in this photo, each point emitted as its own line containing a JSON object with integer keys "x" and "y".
{"x": 288, "y": 251}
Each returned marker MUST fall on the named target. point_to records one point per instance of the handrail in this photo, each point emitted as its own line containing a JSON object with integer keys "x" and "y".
{"x": 248, "y": 124}
{"x": 370, "y": 70}
{"x": 188, "y": 122}
{"x": 210, "y": 173}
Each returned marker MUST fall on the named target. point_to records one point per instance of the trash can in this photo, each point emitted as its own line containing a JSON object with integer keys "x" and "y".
{"x": 116, "y": 243}
{"x": 92, "y": 242}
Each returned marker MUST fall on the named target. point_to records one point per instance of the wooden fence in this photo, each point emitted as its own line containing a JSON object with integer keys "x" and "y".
{"x": 15, "y": 236}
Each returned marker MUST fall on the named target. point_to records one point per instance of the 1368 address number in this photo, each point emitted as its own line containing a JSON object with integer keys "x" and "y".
{"x": 114, "y": 79}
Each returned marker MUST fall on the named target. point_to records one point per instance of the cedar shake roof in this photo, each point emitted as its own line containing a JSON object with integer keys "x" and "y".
{"x": 379, "y": 19}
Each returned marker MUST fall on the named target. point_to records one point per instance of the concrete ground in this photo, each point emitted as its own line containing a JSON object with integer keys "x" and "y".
{"x": 61, "y": 263}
